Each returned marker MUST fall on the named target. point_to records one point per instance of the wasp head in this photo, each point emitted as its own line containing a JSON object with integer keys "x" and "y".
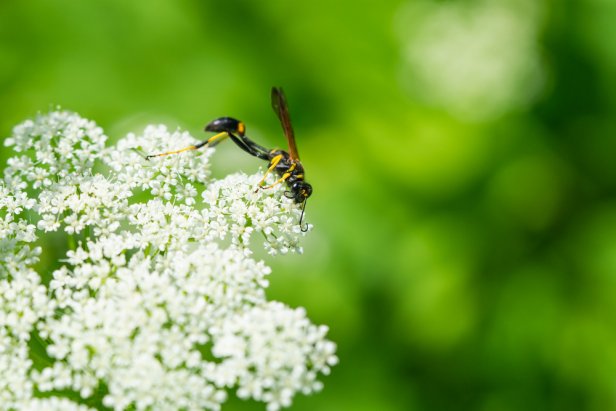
{"x": 300, "y": 191}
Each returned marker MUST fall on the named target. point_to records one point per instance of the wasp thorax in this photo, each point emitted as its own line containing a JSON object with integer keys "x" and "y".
{"x": 301, "y": 191}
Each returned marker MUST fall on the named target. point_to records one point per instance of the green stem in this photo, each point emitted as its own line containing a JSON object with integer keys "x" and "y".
{"x": 72, "y": 244}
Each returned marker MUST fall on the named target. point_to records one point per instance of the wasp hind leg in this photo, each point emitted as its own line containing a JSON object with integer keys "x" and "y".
{"x": 212, "y": 141}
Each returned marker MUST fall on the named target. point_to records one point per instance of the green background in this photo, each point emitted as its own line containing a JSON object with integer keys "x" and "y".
{"x": 464, "y": 250}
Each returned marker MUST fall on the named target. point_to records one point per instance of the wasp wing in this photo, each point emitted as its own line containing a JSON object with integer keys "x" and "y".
{"x": 279, "y": 104}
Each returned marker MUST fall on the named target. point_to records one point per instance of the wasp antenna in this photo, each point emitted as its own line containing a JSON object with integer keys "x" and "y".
{"x": 304, "y": 228}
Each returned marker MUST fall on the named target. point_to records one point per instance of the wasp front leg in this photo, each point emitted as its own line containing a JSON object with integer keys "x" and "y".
{"x": 284, "y": 176}
{"x": 275, "y": 183}
{"x": 271, "y": 168}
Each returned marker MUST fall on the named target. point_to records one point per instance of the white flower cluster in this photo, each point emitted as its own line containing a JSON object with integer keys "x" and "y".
{"x": 156, "y": 303}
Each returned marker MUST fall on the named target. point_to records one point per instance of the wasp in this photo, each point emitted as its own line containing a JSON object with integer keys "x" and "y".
{"x": 286, "y": 164}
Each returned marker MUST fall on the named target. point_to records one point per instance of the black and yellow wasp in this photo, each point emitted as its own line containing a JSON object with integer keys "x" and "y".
{"x": 285, "y": 164}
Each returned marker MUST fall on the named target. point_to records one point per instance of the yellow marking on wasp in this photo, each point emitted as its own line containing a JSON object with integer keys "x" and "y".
{"x": 241, "y": 128}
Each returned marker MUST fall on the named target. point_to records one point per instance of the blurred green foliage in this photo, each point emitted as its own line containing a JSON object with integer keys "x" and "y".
{"x": 462, "y": 155}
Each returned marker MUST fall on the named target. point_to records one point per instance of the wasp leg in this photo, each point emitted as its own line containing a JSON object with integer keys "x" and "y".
{"x": 275, "y": 183}
{"x": 286, "y": 175}
{"x": 212, "y": 141}
{"x": 272, "y": 166}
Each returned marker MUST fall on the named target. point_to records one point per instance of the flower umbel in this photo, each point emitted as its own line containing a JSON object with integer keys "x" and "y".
{"x": 156, "y": 303}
